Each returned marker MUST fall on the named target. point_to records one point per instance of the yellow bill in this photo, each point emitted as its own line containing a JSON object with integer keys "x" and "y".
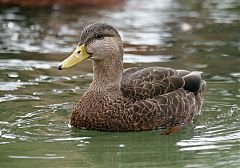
{"x": 78, "y": 56}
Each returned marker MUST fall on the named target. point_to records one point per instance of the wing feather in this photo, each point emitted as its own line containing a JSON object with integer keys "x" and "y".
{"x": 143, "y": 83}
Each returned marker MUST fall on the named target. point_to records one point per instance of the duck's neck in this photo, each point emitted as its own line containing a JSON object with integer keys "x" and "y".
{"x": 107, "y": 74}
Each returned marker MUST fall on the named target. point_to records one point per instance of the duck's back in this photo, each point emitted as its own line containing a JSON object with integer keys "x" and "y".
{"x": 143, "y": 83}
{"x": 162, "y": 97}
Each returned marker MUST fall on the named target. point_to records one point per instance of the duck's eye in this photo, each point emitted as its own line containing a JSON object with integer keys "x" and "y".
{"x": 99, "y": 36}
{"x": 79, "y": 52}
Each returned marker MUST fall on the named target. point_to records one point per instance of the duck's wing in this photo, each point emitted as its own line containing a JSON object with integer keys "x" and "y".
{"x": 177, "y": 107}
{"x": 143, "y": 83}
{"x": 170, "y": 109}
{"x": 130, "y": 71}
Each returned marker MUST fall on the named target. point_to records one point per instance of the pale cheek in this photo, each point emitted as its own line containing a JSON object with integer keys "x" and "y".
{"x": 96, "y": 47}
{"x": 103, "y": 47}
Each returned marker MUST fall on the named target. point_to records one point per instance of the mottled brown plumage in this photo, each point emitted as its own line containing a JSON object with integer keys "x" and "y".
{"x": 134, "y": 99}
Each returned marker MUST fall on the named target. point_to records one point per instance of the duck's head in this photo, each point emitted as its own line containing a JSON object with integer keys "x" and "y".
{"x": 99, "y": 42}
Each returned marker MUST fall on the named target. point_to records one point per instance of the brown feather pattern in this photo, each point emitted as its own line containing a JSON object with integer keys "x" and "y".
{"x": 143, "y": 98}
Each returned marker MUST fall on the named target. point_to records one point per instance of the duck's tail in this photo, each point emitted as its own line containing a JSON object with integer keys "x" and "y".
{"x": 200, "y": 95}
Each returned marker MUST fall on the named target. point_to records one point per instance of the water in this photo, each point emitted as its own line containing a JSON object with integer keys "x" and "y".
{"x": 36, "y": 99}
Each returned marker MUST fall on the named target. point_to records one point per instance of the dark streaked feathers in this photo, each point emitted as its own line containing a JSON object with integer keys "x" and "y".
{"x": 143, "y": 99}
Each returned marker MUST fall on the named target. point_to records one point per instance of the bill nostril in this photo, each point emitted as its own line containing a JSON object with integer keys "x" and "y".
{"x": 60, "y": 67}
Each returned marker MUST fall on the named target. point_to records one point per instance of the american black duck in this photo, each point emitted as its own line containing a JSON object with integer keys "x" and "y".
{"x": 133, "y": 99}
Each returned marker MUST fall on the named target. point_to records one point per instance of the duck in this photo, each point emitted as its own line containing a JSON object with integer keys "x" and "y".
{"x": 132, "y": 99}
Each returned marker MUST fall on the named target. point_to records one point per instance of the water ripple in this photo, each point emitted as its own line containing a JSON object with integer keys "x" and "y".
{"x": 57, "y": 91}
{"x": 18, "y": 64}
{"x": 70, "y": 139}
{"x": 10, "y": 97}
{"x": 37, "y": 157}
{"x": 49, "y": 79}
{"x": 217, "y": 139}
{"x": 10, "y": 86}
{"x": 220, "y": 137}
{"x": 128, "y": 58}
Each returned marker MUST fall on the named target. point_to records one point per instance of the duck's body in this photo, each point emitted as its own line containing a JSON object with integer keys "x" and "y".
{"x": 147, "y": 99}
{"x": 133, "y": 99}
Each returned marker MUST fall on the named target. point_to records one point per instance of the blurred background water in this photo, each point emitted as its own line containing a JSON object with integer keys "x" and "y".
{"x": 36, "y": 99}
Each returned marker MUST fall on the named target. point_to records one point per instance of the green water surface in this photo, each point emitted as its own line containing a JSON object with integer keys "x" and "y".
{"x": 36, "y": 99}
